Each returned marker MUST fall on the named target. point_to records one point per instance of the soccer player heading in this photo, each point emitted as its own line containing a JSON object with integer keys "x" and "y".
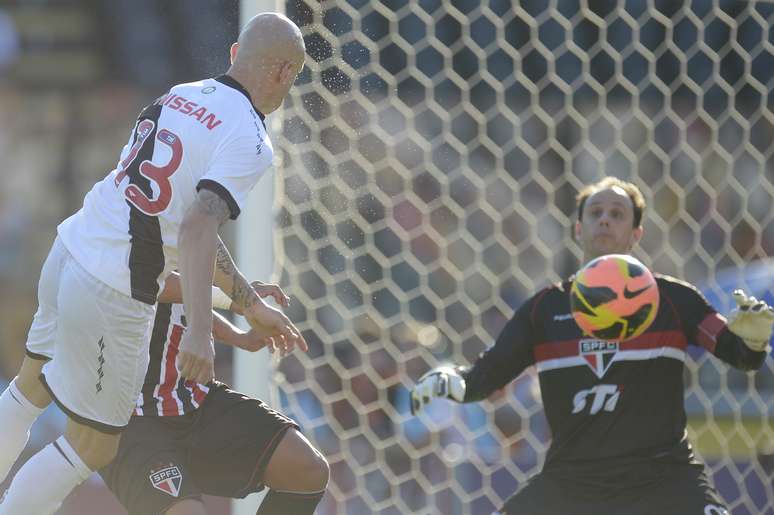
{"x": 616, "y": 410}
{"x": 265, "y": 61}
{"x": 190, "y": 162}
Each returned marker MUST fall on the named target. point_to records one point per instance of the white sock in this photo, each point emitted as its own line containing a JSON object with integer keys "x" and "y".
{"x": 18, "y": 414}
{"x": 45, "y": 480}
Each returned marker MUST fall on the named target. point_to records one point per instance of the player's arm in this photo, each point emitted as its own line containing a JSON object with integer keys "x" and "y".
{"x": 198, "y": 241}
{"x": 511, "y": 354}
{"x": 222, "y": 329}
{"x": 227, "y": 333}
{"x": 252, "y": 341}
{"x": 238, "y": 161}
{"x": 257, "y": 337}
{"x": 229, "y": 279}
{"x": 751, "y": 321}
{"x": 731, "y": 340}
{"x": 496, "y": 367}
{"x": 247, "y": 301}
{"x": 172, "y": 292}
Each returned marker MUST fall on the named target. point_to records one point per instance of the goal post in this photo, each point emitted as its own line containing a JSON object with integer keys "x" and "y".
{"x": 254, "y": 254}
{"x": 429, "y": 157}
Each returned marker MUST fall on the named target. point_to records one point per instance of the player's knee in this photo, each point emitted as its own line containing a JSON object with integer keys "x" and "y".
{"x": 297, "y": 466}
{"x": 310, "y": 470}
{"x": 319, "y": 472}
{"x": 315, "y": 473}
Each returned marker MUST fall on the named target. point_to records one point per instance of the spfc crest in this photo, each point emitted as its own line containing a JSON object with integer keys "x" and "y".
{"x": 167, "y": 479}
{"x": 598, "y": 354}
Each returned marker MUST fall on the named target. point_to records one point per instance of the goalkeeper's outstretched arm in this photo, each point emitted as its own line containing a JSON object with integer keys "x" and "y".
{"x": 746, "y": 342}
{"x": 740, "y": 341}
{"x": 495, "y": 367}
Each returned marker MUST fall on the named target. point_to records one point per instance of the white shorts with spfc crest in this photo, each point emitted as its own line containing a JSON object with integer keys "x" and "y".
{"x": 96, "y": 339}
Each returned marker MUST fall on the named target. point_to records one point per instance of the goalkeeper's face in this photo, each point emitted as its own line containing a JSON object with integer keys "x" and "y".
{"x": 607, "y": 224}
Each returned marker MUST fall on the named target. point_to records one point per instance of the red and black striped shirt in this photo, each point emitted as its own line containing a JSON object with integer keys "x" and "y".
{"x": 164, "y": 393}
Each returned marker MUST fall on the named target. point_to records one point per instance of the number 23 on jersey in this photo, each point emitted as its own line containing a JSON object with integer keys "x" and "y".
{"x": 160, "y": 175}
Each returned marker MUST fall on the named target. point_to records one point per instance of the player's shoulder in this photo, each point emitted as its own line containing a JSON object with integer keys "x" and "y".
{"x": 214, "y": 103}
{"x": 551, "y": 297}
{"x": 672, "y": 283}
{"x": 210, "y": 89}
{"x": 676, "y": 289}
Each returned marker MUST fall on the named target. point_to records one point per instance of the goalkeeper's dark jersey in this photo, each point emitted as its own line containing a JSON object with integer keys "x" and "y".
{"x": 609, "y": 405}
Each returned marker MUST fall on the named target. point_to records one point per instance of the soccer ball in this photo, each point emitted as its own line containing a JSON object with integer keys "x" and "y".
{"x": 614, "y": 298}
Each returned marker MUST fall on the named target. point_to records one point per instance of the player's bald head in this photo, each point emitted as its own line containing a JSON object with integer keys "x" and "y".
{"x": 269, "y": 38}
{"x": 266, "y": 59}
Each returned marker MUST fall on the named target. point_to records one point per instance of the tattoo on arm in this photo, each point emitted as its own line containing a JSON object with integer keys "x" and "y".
{"x": 212, "y": 204}
{"x": 223, "y": 260}
{"x": 242, "y": 294}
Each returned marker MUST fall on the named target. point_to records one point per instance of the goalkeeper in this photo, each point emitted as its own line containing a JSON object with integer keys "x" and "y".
{"x": 616, "y": 412}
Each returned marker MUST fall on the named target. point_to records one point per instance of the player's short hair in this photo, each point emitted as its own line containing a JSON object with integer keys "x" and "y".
{"x": 638, "y": 200}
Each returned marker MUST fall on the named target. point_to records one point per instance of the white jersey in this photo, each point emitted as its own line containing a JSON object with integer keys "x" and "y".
{"x": 204, "y": 134}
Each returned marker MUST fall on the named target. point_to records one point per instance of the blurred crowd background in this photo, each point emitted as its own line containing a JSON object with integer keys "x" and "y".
{"x": 74, "y": 74}
{"x": 427, "y": 164}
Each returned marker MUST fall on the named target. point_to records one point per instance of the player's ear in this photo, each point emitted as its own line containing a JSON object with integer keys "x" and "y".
{"x": 233, "y": 51}
{"x": 287, "y": 73}
{"x": 637, "y": 235}
{"x": 577, "y": 232}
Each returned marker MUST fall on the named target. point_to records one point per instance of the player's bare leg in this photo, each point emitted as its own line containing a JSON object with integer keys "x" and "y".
{"x": 65, "y": 464}
{"x": 20, "y": 405}
{"x": 297, "y": 475}
{"x": 187, "y": 507}
{"x": 94, "y": 447}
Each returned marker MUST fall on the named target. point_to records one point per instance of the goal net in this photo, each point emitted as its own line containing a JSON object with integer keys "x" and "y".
{"x": 429, "y": 159}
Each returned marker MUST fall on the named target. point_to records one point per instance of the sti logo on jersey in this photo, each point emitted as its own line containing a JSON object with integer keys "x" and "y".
{"x": 598, "y": 354}
{"x": 167, "y": 479}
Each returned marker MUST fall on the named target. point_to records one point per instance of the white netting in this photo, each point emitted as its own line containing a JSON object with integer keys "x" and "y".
{"x": 431, "y": 153}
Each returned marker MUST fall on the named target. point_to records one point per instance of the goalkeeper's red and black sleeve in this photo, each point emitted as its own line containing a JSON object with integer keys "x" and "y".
{"x": 704, "y": 326}
{"x": 507, "y": 358}
{"x": 732, "y": 349}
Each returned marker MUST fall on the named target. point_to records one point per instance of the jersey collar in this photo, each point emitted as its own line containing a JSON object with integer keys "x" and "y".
{"x": 233, "y": 83}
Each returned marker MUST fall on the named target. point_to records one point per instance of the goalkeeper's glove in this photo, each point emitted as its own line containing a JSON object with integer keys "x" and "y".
{"x": 752, "y": 321}
{"x": 440, "y": 382}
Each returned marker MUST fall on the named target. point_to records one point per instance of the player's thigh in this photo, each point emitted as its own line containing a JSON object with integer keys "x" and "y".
{"x": 100, "y": 355}
{"x": 187, "y": 507}
{"x": 96, "y": 448}
{"x": 684, "y": 490}
{"x": 150, "y": 474}
{"x": 234, "y": 439}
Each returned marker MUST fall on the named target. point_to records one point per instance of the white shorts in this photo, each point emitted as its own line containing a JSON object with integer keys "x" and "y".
{"x": 96, "y": 339}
